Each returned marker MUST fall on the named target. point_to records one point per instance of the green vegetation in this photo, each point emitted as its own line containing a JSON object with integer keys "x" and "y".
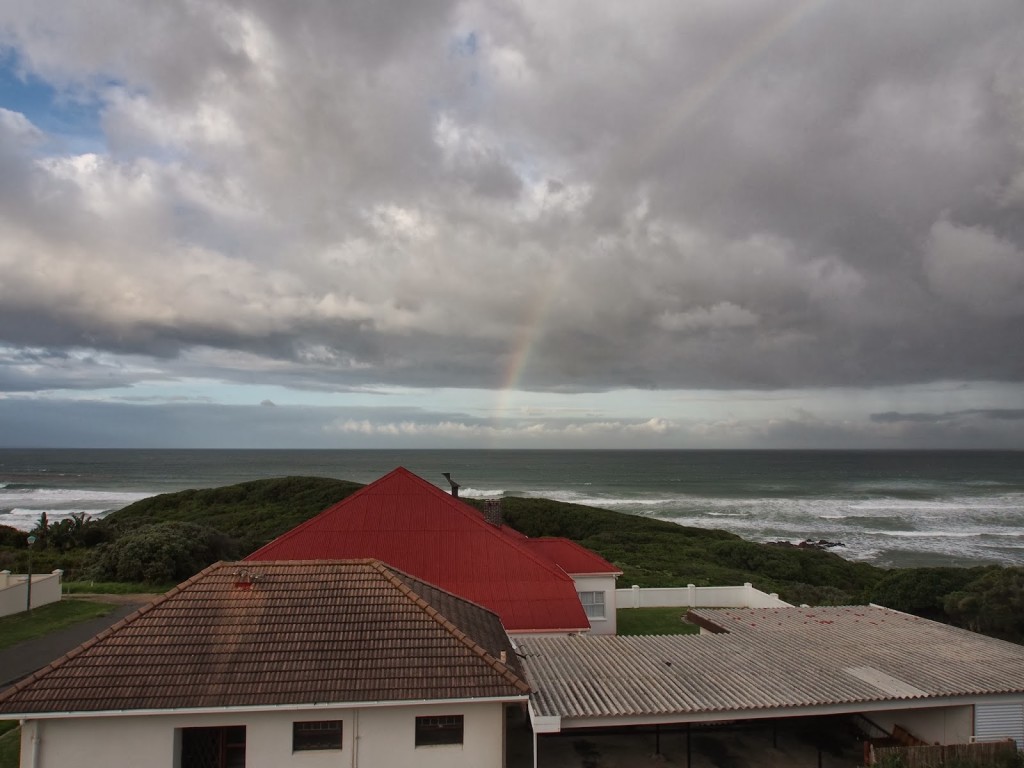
{"x": 253, "y": 512}
{"x": 653, "y": 621}
{"x": 656, "y": 553}
{"x": 227, "y": 523}
{"x": 167, "y": 538}
{"x": 10, "y": 744}
{"x": 48, "y": 618}
{"x": 116, "y": 588}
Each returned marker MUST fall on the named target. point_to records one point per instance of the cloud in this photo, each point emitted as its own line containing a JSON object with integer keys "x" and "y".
{"x": 595, "y": 198}
{"x": 975, "y": 268}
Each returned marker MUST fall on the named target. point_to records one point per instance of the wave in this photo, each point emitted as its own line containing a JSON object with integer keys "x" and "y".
{"x": 38, "y": 495}
{"x": 476, "y": 493}
{"x": 26, "y": 519}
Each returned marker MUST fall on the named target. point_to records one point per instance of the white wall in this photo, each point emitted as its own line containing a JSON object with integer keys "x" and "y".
{"x": 13, "y": 588}
{"x": 692, "y": 596}
{"x": 605, "y": 584}
{"x": 386, "y": 737}
{"x": 936, "y": 725}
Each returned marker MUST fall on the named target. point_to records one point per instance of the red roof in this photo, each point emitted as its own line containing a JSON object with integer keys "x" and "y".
{"x": 570, "y": 556}
{"x": 410, "y": 524}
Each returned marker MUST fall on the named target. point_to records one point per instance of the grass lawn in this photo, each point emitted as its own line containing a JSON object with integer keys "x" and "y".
{"x": 47, "y": 619}
{"x": 653, "y": 621}
{"x": 114, "y": 588}
{"x": 10, "y": 744}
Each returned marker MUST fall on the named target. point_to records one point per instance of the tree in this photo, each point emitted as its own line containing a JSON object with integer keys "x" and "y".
{"x": 162, "y": 553}
{"x": 992, "y": 604}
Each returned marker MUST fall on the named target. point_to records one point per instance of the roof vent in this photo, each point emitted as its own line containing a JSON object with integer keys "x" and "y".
{"x": 452, "y": 483}
{"x": 244, "y": 578}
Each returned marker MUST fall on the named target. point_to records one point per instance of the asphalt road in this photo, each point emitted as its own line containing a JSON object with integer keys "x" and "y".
{"x": 23, "y": 659}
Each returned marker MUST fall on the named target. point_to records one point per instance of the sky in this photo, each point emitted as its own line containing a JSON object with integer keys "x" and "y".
{"x": 370, "y": 223}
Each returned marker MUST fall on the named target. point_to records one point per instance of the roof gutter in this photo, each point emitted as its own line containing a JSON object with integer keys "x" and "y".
{"x": 570, "y": 723}
{"x": 327, "y": 706}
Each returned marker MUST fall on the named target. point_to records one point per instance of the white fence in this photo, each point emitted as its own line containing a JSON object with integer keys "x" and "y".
{"x": 692, "y": 596}
{"x": 14, "y": 590}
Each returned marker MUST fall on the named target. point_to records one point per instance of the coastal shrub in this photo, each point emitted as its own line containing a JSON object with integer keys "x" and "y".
{"x": 253, "y": 513}
{"x": 992, "y": 604}
{"x": 921, "y": 591}
{"x": 12, "y": 537}
{"x": 163, "y": 552}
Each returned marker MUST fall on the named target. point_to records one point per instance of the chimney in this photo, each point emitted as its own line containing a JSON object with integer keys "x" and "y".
{"x": 492, "y": 512}
{"x": 452, "y": 483}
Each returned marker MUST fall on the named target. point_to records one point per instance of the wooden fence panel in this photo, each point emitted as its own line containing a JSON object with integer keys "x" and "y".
{"x": 937, "y": 756}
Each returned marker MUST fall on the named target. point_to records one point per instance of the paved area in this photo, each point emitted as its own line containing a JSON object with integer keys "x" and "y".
{"x": 23, "y": 659}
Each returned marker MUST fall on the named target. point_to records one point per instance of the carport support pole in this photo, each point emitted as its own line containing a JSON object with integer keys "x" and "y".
{"x": 687, "y": 745}
{"x": 657, "y": 739}
{"x": 819, "y": 757}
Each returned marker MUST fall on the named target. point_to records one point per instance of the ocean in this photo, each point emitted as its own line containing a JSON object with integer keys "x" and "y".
{"x": 890, "y": 508}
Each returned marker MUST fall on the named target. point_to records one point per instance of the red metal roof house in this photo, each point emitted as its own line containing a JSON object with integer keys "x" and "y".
{"x": 410, "y": 524}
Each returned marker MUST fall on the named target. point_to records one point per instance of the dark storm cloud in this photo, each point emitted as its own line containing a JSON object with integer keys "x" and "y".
{"x": 746, "y": 195}
{"x": 1002, "y": 414}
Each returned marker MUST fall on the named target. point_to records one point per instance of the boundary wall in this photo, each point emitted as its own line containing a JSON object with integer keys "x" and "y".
{"x": 14, "y": 587}
{"x": 692, "y": 596}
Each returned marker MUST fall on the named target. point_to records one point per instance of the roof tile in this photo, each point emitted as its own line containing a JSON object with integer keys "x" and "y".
{"x": 301, "y": 633}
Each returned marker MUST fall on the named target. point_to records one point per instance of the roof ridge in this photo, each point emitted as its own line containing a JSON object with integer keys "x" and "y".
{"x": 446, "y": 624}
{"x": 101, "y": 636}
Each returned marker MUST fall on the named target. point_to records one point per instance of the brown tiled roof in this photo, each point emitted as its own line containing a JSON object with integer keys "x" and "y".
{"x": 301, "y": 632}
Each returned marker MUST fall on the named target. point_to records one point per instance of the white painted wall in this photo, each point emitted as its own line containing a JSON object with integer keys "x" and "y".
{"x": 698, "y": 597}
{"x": 13, "y": 587}
{"x": 385, "y": 737}
{"x": 605, "y": 584}
{"x": 936, "y": 725}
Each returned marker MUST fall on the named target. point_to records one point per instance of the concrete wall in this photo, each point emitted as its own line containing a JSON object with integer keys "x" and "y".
{"x": 384, "y": 736}
{"x": 13, "y": 587}
{"x": 605, "y": 584}
{"x": 937, "y": 725}
{"x": 698, "y": 597}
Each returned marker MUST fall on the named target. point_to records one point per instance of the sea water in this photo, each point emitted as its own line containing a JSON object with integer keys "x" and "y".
{"x": 895, "y": 508}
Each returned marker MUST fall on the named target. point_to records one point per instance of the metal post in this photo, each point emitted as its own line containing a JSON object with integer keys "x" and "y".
{"x": 688, "y": 754}
{"x": 657, "y": 739}
{"x": 28, "y": 582}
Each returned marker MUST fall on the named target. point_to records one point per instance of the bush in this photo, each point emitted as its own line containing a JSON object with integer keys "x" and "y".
{"x": 162, "y": 553}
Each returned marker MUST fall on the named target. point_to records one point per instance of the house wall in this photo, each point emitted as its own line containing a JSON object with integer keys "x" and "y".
{"x": 606, "y": 584}
{"x": 692, "y": 596}
{"x": 45, "y": 589}
{"x": 936, "y": 725}
{"x": 385, "y": 736}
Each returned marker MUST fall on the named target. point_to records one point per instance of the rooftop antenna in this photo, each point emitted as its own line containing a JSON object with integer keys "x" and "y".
{"x": 452, "y": 483}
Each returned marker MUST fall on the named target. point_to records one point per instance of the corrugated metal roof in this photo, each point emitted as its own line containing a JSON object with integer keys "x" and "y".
{"x": 570, "y": 556}
{"x": 296, "y": 633}
{"x": 406, "y": 522}
{"x": 768, "y": 658}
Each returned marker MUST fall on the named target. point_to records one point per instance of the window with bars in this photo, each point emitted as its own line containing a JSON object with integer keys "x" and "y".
{"x": 316, "y": 734}
{"x": 440, "y": 729}
{"x": 593, "y": 604}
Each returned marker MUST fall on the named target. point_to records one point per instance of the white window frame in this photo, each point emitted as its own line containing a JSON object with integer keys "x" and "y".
{"x": 593, "y": 604}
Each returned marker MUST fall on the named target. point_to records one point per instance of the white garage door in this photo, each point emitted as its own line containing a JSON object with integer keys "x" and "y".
{"x": 993, "y": 722}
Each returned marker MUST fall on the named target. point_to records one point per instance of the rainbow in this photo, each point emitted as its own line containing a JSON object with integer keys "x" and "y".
{"x": 664, "y": 132}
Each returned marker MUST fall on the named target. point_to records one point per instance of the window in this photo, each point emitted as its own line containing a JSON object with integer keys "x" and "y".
{"x": 443, "y": 729}
{"x": 593, "y": 604}
{"x": 213, "y": 747}
{"x": 316, "y": 734}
